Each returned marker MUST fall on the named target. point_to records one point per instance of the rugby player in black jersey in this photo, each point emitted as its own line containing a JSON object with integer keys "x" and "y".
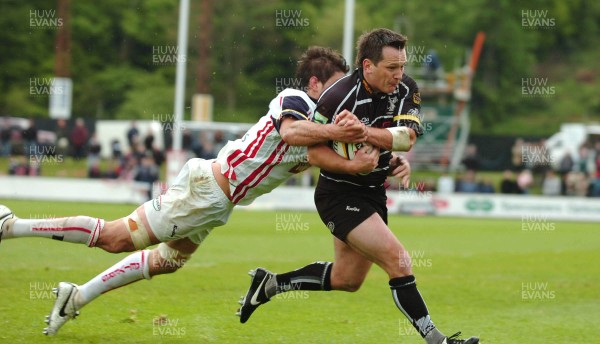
{"x": 353, "y": 207}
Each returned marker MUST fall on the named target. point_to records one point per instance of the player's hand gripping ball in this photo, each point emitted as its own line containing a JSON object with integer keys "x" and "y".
{"x": 348, "y": 150}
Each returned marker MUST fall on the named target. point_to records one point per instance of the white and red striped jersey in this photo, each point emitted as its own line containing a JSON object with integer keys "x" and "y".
{"x": 260, "y": 161}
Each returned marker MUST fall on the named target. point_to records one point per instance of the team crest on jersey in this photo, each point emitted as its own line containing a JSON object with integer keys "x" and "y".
{"x": 417, "y": 98}
{"x": 391, "y": 105}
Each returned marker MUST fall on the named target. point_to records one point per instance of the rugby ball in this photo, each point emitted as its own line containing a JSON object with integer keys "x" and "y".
{"x": 348, "y": 150}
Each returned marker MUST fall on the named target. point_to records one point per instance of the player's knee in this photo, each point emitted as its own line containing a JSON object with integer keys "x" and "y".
{"x": 118, "y": 246}
{"x": 347, "y": 284}
{"x": 114, "y": 239}
{"x": 351, "y": 286}
{"x": 167, "y": 259}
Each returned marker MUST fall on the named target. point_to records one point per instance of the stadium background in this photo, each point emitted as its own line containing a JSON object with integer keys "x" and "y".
{"x": 530, "y": 277}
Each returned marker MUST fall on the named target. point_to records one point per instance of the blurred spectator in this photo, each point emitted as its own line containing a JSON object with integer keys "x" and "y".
{"x": 486, "y": 186}
{"x": 147, "y": 172}
{"x": 433, "y": 66}
{"x": 597, "y": 166}
{"x": 158, "y": 155}
{"x": 94, "y": 150}
{"x": 149, "y": 140}
{"x": 5, "y": 137}
{"x": 551, "y": 186}
{"x": 525, "y": 181}
{"x": 597, "y": 148}
{"x": 133, "y": 134}
{"x": 204, "y": 147}
{"x": 445, "y": 184}
{"x": 595, "y": 183}
{"x": 113, "y": 169}
{"x": 117, "y": 151}
{"x": 219, "y": 141}
{"x": 127, "y": 170}
{"x": 576, "y": 184}
{"x": 18, "y": 166}
{"x": 30, "y": 139}
{"x": 586, "y": 160}
{"x": 566, "y": 164}
{"x": 471, "y": 160}
{"x": 509, "y": 184}
{"x": 467, "y": 183}
{"x": 540, "y": 161}
{"x": 79, "y": 138}
{"x": 138, "y": 153}
{"x": 517, "y": 154}
{"x": 94, "y": 169}
{"x": 186, "y": 140}
{"x": 62, "y": 137}
{"x": 17, "y": 143}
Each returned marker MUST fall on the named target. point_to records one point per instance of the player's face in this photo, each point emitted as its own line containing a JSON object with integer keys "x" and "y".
{"x": 323, "y": 86}
{"x": 386, "y": 75}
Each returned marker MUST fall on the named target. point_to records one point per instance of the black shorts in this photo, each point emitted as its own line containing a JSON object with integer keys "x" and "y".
{"x": 342, "y": 211}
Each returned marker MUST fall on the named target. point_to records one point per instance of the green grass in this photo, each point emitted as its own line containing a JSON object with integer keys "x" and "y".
{"x": 470, "y": 271}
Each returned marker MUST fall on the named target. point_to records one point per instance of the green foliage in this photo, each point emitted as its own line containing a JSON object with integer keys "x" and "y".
{"x": 115, "y": 43}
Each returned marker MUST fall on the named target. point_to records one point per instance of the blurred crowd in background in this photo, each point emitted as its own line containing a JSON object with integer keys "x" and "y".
{"x": 139, "y": 159}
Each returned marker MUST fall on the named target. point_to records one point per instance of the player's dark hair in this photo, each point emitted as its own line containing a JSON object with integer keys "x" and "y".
{"x": 320, "y": 62}
{"x": 371, "y": 44}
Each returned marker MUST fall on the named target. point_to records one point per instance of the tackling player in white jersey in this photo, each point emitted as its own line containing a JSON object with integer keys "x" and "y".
{"x": 205, "y": 191}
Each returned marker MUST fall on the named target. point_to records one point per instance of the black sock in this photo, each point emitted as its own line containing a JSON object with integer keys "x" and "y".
{"x": 315, "y": 276}
{"x": 409, "y": 301}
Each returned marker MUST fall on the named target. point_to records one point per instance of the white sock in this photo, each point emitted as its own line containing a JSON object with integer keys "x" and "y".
{"x": 132, "y": 268}
{"x": 75, "y": 229}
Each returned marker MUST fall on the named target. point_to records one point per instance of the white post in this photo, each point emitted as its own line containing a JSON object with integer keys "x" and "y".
{"x": 182, "y": 39}
{"x": 349, "y": 33}
{"x": 176, "y": 158}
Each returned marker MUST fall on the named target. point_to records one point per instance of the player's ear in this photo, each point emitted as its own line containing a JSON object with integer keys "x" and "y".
{"x": 366, "y": 64}
{"x": 313, "y": 83}
{"x": 315, "y": 87}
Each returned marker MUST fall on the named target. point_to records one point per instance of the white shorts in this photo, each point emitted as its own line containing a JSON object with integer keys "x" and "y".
{"x": 191, "y": 207}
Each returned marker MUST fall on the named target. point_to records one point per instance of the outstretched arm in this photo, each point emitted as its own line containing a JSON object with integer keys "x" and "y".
{"x": 306, "y": 133}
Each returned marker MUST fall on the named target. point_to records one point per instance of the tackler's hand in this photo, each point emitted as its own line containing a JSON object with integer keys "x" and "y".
{"x": 400, "y": 168}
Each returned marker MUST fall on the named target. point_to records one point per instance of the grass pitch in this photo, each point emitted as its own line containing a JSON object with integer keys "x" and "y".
{"x": 497, "y": 279}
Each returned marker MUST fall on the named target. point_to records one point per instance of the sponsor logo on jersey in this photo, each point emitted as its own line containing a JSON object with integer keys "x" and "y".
{"x": 356, "y": 209}
{"x": 331, "y": 226}
{"x": 413, "y": 111}
{"x": 174, "y": 230}
{"x": 156, "y": 203}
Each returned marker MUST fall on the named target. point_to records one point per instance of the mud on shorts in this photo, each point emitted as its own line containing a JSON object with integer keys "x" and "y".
{"x": 190, "y": 208}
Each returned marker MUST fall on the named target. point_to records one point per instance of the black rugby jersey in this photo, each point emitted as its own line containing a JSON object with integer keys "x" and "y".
{"x": 375, "y": 109}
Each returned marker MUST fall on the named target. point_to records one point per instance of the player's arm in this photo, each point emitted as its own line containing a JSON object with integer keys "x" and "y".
{"x": 392, "y": 139}
{"x": 407, "y": 123}
{"x": 400, "y": 168}
{"x": 297, "y": 132}
{"x": 322, "y": 156}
